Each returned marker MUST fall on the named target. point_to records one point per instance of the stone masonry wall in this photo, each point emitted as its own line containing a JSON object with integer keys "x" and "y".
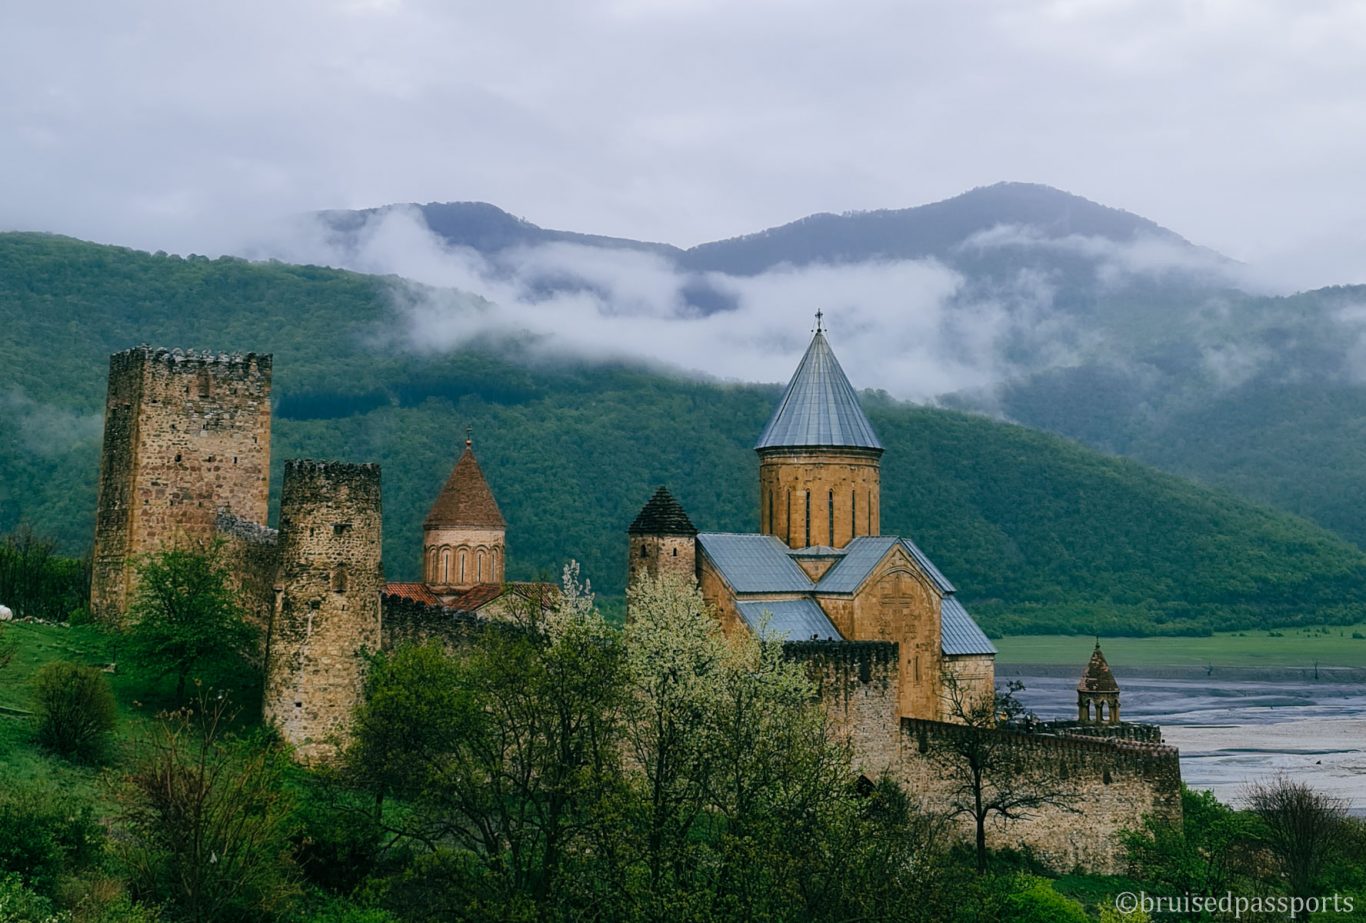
{"x": 329, "y": 612}
{"x": 408, "y": 622}
{"x": 1112, "y": 786}
{"x": 659, "y": 555}
{"x": 976, "y": 676}
{"x": 186, "y": 434}
{"x": 857, "y": 685}
{"x": 250, "y": 553}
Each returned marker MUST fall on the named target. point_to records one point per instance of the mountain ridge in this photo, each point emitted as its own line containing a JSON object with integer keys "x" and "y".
{"x": 1039, "y": 533}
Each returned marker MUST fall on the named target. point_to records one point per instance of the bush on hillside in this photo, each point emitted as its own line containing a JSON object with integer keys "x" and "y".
{"x": 76, "y": 710}
{"x": 45, "y": 836}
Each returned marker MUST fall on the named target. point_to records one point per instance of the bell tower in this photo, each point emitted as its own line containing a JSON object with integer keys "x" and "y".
{"x": 1097, "y": 692}
{"x": 819, "y": 459}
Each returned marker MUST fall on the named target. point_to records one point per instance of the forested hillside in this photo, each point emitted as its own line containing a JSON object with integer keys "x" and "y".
{"x": 1038, "y": 533}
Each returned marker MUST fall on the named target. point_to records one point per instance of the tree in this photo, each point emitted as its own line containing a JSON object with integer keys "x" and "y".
{"x": 987, "y": 770}
{"x": 76, "y": 709}
{"x": 206, "y": 820}
{"x": 1302, "y": 827}
{"x": 185, "y": 612}
{"x": 1210, "y": 853}
{"x": 510, "y": 752}
{"x": 37, "y": 582}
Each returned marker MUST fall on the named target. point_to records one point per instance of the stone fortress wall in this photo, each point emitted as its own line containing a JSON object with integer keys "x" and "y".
{"x": 1111, "y": 785}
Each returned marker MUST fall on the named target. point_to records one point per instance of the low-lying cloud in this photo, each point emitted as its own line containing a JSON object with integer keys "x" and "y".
{"x": 45, "y": 430}
{"x": 915, "y": 328}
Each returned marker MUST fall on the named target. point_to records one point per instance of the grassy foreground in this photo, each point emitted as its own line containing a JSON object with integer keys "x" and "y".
{"x": 141, "y": 696}
{"x": 1295, "y": 648}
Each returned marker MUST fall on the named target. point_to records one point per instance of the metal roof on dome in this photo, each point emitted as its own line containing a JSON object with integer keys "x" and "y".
{"x": 819, "y": 407}
{"x": 958, "y": 633}
{"x": 789, "y": 619}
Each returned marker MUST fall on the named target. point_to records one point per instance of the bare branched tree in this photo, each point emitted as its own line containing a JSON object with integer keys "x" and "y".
{"x": 1302, "y": 828}
{"x": 988, "y": 771}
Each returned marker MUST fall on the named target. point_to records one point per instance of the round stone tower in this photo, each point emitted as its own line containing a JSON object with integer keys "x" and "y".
{"x": 1097, "y": 692}
{"x": 663, "y": 540}
{"x": 328, "y": 611}
{"x": 819, "y": 459}
{"x": 464, "y": 538}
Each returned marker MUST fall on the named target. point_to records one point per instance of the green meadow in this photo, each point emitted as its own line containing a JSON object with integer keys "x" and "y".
{"x": 1285, "y": 648}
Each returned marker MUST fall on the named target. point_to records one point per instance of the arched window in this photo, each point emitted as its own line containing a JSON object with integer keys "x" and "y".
{"x": 464, "y": 557}
{"x": 339, "y": 579}
{"x": 832, "y": 518}
{"x": 479, "y": 565}
{"x": 431, "y": 565}
{"x": 853, "y": 513}
{"x": 807, "y": 542}
{"x": 644, "y": 550}
{"x": 445, "y": 565}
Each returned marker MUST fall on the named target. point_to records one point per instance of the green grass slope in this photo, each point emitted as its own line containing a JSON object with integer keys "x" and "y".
{"x": 1038, "y": 533}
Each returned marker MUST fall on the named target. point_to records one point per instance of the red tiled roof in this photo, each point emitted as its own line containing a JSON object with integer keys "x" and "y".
{"x": 465, "y": 500}
{"x": 482, "y": 594}
{"x": 476, "y": 596}
{"x": 417, "y": 592}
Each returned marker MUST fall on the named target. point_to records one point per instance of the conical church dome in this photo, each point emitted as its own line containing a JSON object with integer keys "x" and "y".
{"x": 465, "y": 500}
{"x": 820, "y": 407}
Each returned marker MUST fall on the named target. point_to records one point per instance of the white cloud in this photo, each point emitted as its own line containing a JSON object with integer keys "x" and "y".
{"x": 905, "y": 326}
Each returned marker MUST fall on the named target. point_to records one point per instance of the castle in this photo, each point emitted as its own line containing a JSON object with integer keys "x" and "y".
{"x": 186, "y": 460}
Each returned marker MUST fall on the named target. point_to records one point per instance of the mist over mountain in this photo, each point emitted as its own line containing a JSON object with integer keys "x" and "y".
{"x": 1039, "y": 533}
{"x": 1017, "y": 300}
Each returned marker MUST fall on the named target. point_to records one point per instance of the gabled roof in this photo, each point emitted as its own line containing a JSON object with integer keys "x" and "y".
{"x": 958, "y": 633}
{"x": 1097, "y": 676}
{"x": 937, "y": 578}
{"x": 819, "y": 407}
{"x": 789, "y": 619}
{"x": 753, "y": 563}
{"x": 415, "y": 592}
{"x": 863, "y": 554}
{"x": 465, "y": 500}
{"x": 663, "y": 515}
{"x": 860, "y": 557}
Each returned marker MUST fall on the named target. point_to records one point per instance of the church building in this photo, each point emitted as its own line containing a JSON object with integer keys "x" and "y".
{"x": 464, "y": 549}
{"x": 820, "y": 568}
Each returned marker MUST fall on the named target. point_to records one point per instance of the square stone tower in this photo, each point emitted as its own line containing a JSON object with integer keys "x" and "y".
{"x": 185, "y": 435}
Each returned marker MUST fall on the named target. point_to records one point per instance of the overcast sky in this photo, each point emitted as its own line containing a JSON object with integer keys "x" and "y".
{"x": 176, "y": 125}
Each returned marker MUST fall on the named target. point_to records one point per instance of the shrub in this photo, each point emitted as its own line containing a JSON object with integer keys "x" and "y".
{"x": 76, "y": 710}
{"x": 44, "y": 836}
{"x": 20, "y": 905}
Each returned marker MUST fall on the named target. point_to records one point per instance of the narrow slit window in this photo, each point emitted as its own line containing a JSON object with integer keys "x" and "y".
{"x": 807, "y": 523}
{"x": 831, "y": 517}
